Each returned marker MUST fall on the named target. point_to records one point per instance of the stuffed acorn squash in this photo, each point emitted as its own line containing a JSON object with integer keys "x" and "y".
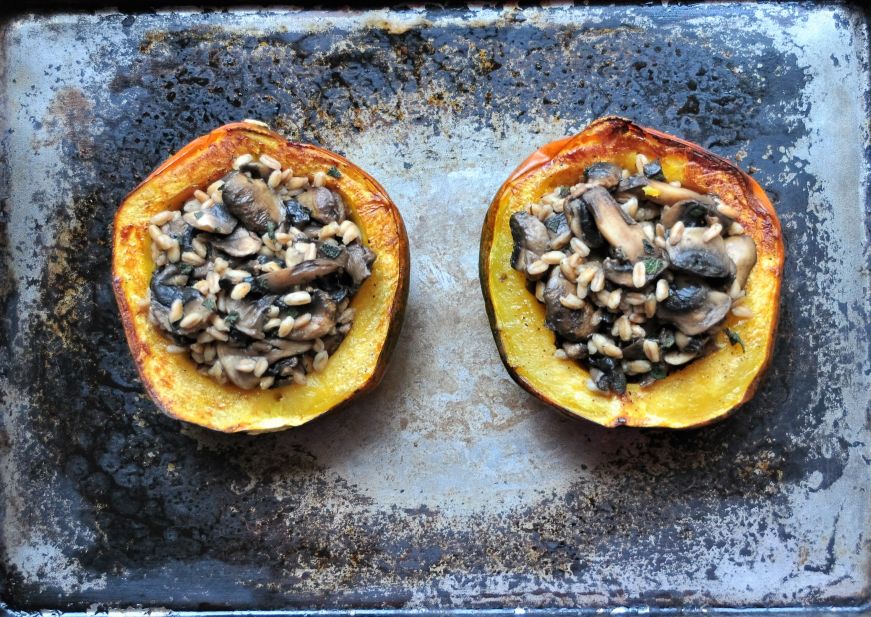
{"x": 261, "y": 283}
{"x": 633, "y": 278}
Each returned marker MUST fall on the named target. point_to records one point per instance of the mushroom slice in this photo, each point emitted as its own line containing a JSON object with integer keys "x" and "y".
{"x": 626, "y": 236}
{"x": 240, "y": 243}
{"x": 710, "y": 312}
{"x": 574, "y": 325}
{"x": 659, "y": 192}
{"x": 685, "y": 294}
{"x": 231, "y": 358}
{"x": 324, "y": 312}
{"x": 604, "y": 174}
{"x": 304, "y": 272}
{"x": 251, "y": 315}
{"x": 742, "y": 251}
{"x": 693, "y": 213}
{"x": 214, "y": 219}
{"x": 325, "y": 205}
{"x": 252, "y": 202}
{"x": 530, "y": 239}
{"x": 286, "y": 349}
{"x": 360, "y": 260}
{"x": 257, "y": 169}
{"x": 692, "y": 254}
{"x": 165, "y": 293}
{"x": 559, "y": 231}
{"x": 582, "y": 225}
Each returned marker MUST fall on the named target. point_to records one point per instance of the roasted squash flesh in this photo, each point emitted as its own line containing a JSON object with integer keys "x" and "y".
{"x": 359, "y": 362}
{"x": 702, "y": 392}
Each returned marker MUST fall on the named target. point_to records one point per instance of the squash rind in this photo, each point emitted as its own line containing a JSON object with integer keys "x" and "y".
{"x": 703, "y": 392}
{"x": 360, "y": 361}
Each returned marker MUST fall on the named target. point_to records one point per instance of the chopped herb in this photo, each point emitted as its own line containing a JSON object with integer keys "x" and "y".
{"x": 232, "y": 318}
{"x": 330, "y": 250}
{"x": 648, "y": 249}
{"x": 186, "y": 268}
{"x": 564, "y": 191}
{"x": 666, "y": 339}
{"x": 270, "y": 230}
{"x": 652, "y": 265}
{"x": 554, "y": 222}
{"x": 696, "y": 215}
{"x": 657, "y": 371}
{"x": 734, "y": 338}
{"x": 209, "y": 303}
{"x": 198, "y": 214}
{"x": 335, "y": 173}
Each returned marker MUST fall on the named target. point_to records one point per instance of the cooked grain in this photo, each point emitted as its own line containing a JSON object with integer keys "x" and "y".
{"x": 712, "y": 232}
{"x": 598, "y": 282}
{"x": 579, "y": 247}
{"x": 742, "y": 312}
{"x": 297, "y": 298}
{"x": 320, "y": 361}
{"x": 676, "y": 233}
{"x": 651, "y": 350}
{"x": 286, "y": 326}
{"x": 552, "y": 258}
{"x": 662, "y": 290}
{"x": 176, "y": 311}
{"x": 650, "y": 306}
{"x": 639, "y": 274}
{"x": 536, "y": 267}
{"x": 571, "y": 301}
{"x": 189, "y": 257}
{"x": 240, "y": 291}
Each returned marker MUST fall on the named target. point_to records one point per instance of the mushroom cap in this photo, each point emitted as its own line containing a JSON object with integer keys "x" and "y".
{"x": 573, "y": 325}
{"x": 692, "y": 254}
{"x": 627, "y": 236}
{"x": 712, "y": 310}
{"x": 252, "y": 202}
{"x": 742, "y": 251}
{"x": 240, "y": 243}
{"x": 215, "y": 219}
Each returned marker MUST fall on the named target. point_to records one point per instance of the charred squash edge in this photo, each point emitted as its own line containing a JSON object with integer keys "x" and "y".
{"x": 211, "y": 155}
{"x": 609, "y": 138}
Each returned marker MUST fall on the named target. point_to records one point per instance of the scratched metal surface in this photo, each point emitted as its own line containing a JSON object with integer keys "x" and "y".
{"x": 449, "y": 487}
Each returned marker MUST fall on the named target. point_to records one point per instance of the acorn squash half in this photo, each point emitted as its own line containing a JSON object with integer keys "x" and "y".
{"x": 706, "y": 390}
{"x": 360, "y": 361}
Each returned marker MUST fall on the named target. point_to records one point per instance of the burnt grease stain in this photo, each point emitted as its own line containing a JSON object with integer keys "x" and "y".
{"x": 258, "y": 518}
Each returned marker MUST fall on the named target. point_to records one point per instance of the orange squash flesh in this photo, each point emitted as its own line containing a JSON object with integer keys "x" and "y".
{"x": 358, "y": 364}
{"x": 707, "y": 389}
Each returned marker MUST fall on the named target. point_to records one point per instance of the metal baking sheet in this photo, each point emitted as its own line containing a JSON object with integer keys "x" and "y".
{"x": 450, "y": 488}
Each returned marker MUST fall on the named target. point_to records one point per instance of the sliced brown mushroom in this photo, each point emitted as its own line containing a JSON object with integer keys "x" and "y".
{"x": 240, "y": 243}
{"x": 693, "y": 213}
{"x": 573, "y": 325}
{"x": 252, "y": 202}
{"x": 692, "y": 254}
{"x": 304, "y": 272}
{"x": 659, "y": 192}
{"x": 325, "y": 205}
{"x": 685, "y": 294}
{"x": 283, "y": 348}
{"x": 530, "y": 239}
{"x": 324, "y": 312}
{"x": 624, "y": 235}
{"x": 604, "y": 174}
{"x": 582, "y": 224}
{"x": 742, "y": 251}
{"x": 234, "y": 358}
{"x": 252, "y": 316}
{"x": 707, "y": 314}
{"x": 214, "y": 219}
{"x": 360, "y": 260}
{"x": 257, "y": 169}
{"x": 559, "y": 231}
